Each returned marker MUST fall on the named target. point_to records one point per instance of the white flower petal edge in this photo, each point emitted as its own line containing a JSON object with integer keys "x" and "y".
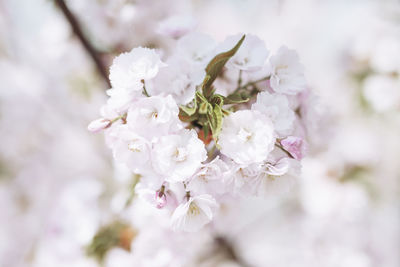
{"x": 194, "y": 214}
{"x": 277, "y": 178}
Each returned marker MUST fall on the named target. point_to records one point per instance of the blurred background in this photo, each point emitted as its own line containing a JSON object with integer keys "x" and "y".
{"x": 59, "y": 186}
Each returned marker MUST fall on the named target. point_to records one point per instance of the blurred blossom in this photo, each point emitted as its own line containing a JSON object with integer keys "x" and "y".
{"x": 60, "y": 185}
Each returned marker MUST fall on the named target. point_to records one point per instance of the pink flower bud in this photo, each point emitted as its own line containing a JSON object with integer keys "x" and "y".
{"x": 294, "y": 145}
{"x": 98, "y": 125}
{"x": 161, "y": 200}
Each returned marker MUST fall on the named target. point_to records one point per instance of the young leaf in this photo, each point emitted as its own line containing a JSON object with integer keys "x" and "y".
{"x": 190, "y": 108}
{"x": 236, "y": 98}
{"x": 204, "y": 107}
{"x": 206, "y": 130}
{"x": 116, "y": 234}
{"x": 200, "y": 97}
{"x": 225, "y": 112}
{"x": 217, "y": 100}
{"x": 215, "y": 66}
{"x": 215, "y": 120}
{"x": 183, "y": 117}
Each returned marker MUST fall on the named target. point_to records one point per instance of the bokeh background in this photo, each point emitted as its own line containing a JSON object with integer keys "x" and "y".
{"x": 59, "y": 184}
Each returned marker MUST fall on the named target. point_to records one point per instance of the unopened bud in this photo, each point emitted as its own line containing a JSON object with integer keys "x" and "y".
{"x": 161, "y": 199}
{"x": 294, "y": 145}
{"x": 98, "y": 125}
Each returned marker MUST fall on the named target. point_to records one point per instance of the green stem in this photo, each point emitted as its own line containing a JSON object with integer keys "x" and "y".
{"x": 122, "y": 117}
{"x": 251, "y": 83}
{"x": 240, "y": 79}
{"x": 144, "y": 89}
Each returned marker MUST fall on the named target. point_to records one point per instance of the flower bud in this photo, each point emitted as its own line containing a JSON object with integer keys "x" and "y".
{"x": 161, "y": 199}
{"x": 98, "y": 125}
{"x": 293, "y": 145}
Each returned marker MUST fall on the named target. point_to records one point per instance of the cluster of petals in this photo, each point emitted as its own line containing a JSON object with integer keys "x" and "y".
{"x": 257, "y": 152}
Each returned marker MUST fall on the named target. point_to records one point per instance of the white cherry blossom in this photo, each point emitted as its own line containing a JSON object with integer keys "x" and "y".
{"x": 209, "y": 178}
{"x": 196, "y": 48}
{"x": 251, "y": 55}
{"x": 129, "y": 68}
{"x": 130, "y": 148}
{"x": 154, "y": 116}
{"x": 178, "y": 156}
{"x": 194, "y": 214}
{"x": 180, "y": 171}
{"x": 287, "y": 73}
{"x": 179, "y": 79}
{"x": 277, "y": 177}
{"x": 240, "y": 175}
{"x": 121, "y": 98}
{"x": 276, "y": 107}
{"x": 247, "y": 136}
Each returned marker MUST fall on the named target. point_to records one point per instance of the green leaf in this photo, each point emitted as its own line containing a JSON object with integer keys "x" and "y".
{"x": 215, "y": 66}
{"x": 116, "y": 234}
{"x": 215, "y": 119}
{"x": 225, "y": 112}
{"x": 190, "y": 108}
{"x": 236, "y": 98}
{"x": 206, "y": 131}
{"x": 204, "y": 107}
{"x": 185, "y": 118}
{"x": 217, "y": 100}
{"x": 200, "y": 97}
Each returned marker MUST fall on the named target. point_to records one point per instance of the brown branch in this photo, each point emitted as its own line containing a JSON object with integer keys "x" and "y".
{"x": 230, "y": 251}
{"x": 76, "y": 28}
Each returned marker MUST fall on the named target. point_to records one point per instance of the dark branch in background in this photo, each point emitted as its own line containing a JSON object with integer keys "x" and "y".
{"x": 230, "y": 251}
{"x": 76, "y": 28}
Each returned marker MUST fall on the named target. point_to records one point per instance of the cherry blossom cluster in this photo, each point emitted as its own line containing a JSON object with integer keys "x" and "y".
{"x": 207, "y": 123}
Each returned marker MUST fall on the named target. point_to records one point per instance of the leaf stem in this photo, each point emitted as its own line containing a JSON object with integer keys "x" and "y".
{"x": 240, "y": 79}
{"x": 252, "y": 83}
{"x": 144, "y": 89}
{"x": 284, "y": 150}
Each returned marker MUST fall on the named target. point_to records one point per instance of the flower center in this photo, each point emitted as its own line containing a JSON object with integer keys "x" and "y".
{"x": 198, "y": 57}
{"x": 154, "y": 114}
{"x": 241, "y": 61}
{"x": 244, "y": 135}
{"x": 149, "y": 113}
{"x": 134, "y": 146}
{"x": 193, "y": 210}
{"x": 180, "y": 154}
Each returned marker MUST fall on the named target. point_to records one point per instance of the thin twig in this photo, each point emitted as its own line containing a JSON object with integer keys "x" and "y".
{"x": 76, "y": 28}
{"x": 245, "y": 86}
{"x": 284, "y": 150}
{"x": 252, "y": 83}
